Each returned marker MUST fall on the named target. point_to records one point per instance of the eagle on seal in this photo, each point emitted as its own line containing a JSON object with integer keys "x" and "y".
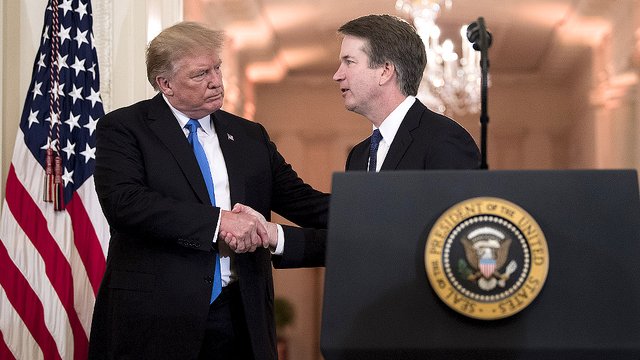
{"x": 487, "y": 251}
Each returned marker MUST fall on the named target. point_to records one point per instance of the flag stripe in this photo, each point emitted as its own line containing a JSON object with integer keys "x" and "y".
{"x": 5, "y": 353}
{"x": 31, "y": 175}
{"x": 31, "y": 266}
{"x": 87, "y": 242}
{"x": 58, "y": 270}
{"x": 87, "y": 192}
{"x": 27, "y": 304}
{"x": 17, "y": 337}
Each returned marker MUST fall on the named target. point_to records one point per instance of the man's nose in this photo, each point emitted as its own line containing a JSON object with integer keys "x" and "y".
{"x": 339, "y": 75}
{"x": 215, "y": 80}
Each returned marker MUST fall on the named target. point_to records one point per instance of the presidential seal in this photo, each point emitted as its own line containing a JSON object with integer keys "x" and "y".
{"x": 486, "y": 258}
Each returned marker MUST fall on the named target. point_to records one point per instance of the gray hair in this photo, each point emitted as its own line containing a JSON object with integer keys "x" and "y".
{"x": 176, "y": 42}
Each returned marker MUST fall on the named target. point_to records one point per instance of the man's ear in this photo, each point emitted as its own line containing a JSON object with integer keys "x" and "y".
{"x": 164, "y": 85}
{"x": 388, "y": 73}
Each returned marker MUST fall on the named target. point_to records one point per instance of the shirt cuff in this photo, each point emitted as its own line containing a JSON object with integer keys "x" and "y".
{"x": 215, "y": 233}
{"x": 280, "y": 246}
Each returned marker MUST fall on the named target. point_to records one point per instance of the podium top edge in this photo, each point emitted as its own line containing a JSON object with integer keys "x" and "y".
{"x": 480, "y": 171}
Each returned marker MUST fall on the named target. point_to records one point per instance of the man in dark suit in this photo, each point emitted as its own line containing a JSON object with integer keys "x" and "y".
{"x": 168, "y": 170}
{"x": 382, "y": 60}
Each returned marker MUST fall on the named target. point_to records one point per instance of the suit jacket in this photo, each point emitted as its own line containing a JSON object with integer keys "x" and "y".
{"x": 425, "y": 140}
{"x": 154, "y": 298}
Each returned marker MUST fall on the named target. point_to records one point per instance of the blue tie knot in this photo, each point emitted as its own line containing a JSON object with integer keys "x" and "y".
{"x": 193, "y": 126}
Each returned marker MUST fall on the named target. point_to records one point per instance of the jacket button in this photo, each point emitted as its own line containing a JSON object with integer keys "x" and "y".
{"x": 208, "y": 279}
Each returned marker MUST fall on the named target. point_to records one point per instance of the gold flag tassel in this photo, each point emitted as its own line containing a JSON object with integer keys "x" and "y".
{"x": 53, "y": 184}
{"x": 58, "y": 185}
{"x": 48, "y": 177}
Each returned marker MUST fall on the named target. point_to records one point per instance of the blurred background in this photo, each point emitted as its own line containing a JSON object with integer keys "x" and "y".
{"x": 564, "y": 83}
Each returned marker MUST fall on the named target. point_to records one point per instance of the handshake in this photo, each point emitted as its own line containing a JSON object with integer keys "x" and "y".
{"x": 244, "y": 230}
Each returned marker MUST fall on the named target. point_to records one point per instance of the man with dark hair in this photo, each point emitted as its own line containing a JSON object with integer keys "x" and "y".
{"x": 382, "y": 60}
{"x": 381, "y": 64}
{"x": 168, "y": 170}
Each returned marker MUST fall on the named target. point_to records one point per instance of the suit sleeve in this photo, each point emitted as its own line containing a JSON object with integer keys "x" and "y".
{"x": 132, "y": 198}
{"x": 303, "y": 247}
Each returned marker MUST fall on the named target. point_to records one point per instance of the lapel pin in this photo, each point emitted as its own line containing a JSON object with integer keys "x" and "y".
{"x": 229, "y": 136}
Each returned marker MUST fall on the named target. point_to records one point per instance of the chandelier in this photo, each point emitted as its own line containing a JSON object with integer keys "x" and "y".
{"x": 450, "y": 83}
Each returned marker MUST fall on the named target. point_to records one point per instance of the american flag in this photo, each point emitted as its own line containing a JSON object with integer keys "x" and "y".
{"x": 53, "y": 236}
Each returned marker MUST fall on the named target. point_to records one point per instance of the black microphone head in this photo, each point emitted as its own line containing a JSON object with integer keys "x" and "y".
{"x": 472, "y": 32}
{"x": 473, "y": 35}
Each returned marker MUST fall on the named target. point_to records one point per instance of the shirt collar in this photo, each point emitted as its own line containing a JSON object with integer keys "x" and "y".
{"x": 183, "y": 119}
{"x": 391, "y": 123}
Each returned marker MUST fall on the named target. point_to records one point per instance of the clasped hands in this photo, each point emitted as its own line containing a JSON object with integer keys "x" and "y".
{"x": 244, "y": 230}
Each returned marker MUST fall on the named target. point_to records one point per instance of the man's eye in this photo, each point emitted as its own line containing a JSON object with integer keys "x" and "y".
{"x": 199, "y": 75}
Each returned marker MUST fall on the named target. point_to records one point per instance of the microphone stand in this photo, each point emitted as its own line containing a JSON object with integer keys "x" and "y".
{"x": 484, "y": 116}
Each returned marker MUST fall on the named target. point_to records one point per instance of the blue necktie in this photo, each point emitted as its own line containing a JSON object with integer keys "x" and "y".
{"x": 373, "y": 149}
{"x": 193, "y": 126}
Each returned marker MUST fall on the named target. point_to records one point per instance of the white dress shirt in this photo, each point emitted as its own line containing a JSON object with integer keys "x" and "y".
{"x": 209, "y": 141}
{"x": 389, "y": 128}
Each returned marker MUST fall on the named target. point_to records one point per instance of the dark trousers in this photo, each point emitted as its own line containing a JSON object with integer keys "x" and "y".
{"x": 226, "y": 336}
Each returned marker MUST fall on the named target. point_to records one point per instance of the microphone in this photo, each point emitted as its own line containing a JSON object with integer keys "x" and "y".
{"x": 481, "y": 39}
{"x": 474, "y": 30}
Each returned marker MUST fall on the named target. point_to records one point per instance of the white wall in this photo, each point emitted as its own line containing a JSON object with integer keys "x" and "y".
{"x": 21, "y": 30}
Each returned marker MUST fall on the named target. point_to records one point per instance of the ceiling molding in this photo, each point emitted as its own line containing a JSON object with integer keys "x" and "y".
{"x": 532, "y": 38}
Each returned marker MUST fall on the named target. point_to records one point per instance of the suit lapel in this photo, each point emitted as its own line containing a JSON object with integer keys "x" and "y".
{"x": 165, "y": 126}
{"x": 231, "y": 146}
{"x": 360, "y": 156}
{"x": 403, "y": 138}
